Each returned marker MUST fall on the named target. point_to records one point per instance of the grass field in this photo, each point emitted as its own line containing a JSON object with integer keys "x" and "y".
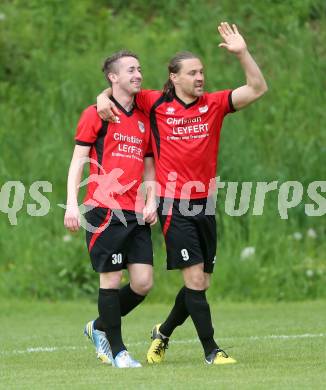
{"x": 278, "y": 346}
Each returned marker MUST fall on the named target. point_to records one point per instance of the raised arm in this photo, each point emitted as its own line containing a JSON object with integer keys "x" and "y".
{"x": 255, "y": 85}
{"x": 72, "y": 215}
{"x": 106, "y": 109}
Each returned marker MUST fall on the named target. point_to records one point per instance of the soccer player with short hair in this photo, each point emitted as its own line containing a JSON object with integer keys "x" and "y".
{"x": 117, "y": 153}
{"x": 186, "y": 124}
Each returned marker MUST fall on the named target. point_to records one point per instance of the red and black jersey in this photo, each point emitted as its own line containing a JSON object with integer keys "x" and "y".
{"x": 185, "y": 140}
{"x": 116, "y": 157}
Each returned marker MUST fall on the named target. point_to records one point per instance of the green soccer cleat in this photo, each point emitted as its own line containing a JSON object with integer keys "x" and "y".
{"x": 218, "y": 356}
{"x": 99, "y": 339}
{"x": 156, "y": 351}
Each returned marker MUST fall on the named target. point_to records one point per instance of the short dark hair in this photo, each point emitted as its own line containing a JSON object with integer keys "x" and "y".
{"x": 174, "y": 67}
{"x": 109, "y": 65}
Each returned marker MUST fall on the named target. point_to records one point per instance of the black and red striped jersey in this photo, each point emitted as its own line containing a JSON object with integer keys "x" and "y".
{"x": 116, "y": 157}
{"x": 185, "y": 140}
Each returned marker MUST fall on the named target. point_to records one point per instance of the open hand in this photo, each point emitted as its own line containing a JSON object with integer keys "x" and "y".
{"x": 233, "y": 41}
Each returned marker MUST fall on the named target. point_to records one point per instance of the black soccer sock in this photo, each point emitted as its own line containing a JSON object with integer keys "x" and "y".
{"x": 200, "y": 313}
{"x": 129, "y": 299}
{"x": 177, "y": 316}
{"x": 110, "y": 316}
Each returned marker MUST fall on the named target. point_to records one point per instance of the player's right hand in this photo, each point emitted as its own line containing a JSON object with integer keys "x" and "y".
{"x": 106, "y": 109}
{"x": 72, "y": 218}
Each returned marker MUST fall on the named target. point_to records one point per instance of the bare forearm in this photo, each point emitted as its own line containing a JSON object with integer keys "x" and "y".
{"x": 149, "y": 179}
{"x": 255, "y": 86}
{"x": 74, "y": 178}
{"x": 107, "y": 92}
{"x": 149, "y": 211}
{"x": 254, "y": 76}
{"x": 75, "y": 173}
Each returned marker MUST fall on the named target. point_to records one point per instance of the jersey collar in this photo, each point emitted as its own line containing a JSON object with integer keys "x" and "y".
{"x": 185, "y": 105}
{"x": 128, "y": 113}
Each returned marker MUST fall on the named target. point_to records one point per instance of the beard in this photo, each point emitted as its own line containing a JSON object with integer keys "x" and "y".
{"x": 197, "y": 90}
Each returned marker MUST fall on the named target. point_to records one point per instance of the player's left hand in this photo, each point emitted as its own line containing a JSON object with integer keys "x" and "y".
{"x": 233, "y": 41}
{"x": 149, "y": 213}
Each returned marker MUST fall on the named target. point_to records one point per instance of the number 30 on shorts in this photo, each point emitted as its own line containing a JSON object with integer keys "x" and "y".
{"x": 184, "y": 254}
{"x": 117, "y": 258}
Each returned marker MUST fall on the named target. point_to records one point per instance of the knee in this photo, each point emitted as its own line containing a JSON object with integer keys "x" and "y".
{"x": 142, "y": 285}
{"x": 196, "y": 282}
{"x": 110, "y": 279}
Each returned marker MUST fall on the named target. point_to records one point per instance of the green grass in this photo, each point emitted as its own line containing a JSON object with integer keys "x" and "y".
{"x": 249, "y": 332}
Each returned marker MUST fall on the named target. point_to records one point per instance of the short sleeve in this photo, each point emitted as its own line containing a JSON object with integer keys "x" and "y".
{"x": 146, "y": 98}
{"x": 88, "y": 127}
{"x": 224, "y": 100}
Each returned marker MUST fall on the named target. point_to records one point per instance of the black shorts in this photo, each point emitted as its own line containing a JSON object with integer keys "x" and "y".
{"x": 113, "y": 245}
{"x": 190, "y": 239}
